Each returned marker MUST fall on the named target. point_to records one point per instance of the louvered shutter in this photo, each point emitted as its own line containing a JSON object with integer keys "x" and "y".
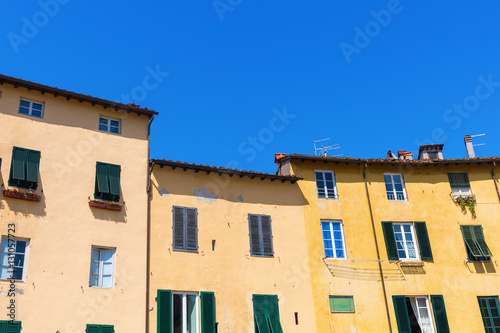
{"x": 274, "y": 314}
{"x": 253, "y": 221}
{"x": 423, "y": 241}
{"x": 440, "y": 314}
{"x": 3, "y": 326}
{"x": 390, "y": 241}
{"x": 207, "y": 312}
{"x": 260, "y": 312}
{"x": 114, "y": 179}
{"x": 458, "y": 180}
{"x": 17, "y": 167}
{"x": 107, "y": 329}
{"x": 178, "y": 227}
{"x": 468, "y": 235}
{"x": 191, "y": 229}
{"x": 267, "y": 235}
{"x": 13, "y": 327}
{"x": 402, "y": 317}
{"x": 481, "y": 243}
{"x": 164, "y": 311}
{"x": 93, "y": 329}
{"x": 101, "y": 175}
{"x": 33, "y": 162}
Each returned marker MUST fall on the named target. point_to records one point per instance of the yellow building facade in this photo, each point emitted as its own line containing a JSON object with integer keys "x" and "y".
{"x": 73, "y": 214}
{"x": 390, "y": 249}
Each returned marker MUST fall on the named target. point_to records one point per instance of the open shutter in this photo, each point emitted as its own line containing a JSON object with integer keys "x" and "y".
{"x": 253, "y": 221}
{"x": 402, "y": 317}
{"x": 481, "y": 243}
{"x": 267, "y": 235}
{"x": 191, "y": 229}
{"x": 13, "y": 327}
{"x": 207, "y": 312}
{"x": 458, "y": 180}
{"x": 114, "y": 179}
{"x": 178, "y": 228}
{"x": 273, "y": 312}
{"x": 3, "y": 326}
{"x": 17, "y": 167}
{"x": 101, "y": 175}
{"x": 93, "y": 329}
{"x": 390, "y": 241}
{"x": 468, "y": 235}
{"x": 164, "y": 311}
{"x": 260, "y": 312}
{"x": 423, "y": 241}
{"x": 440, "y": 314}
{"x": 107, "y": 329}
{"x": 33, "y": 162}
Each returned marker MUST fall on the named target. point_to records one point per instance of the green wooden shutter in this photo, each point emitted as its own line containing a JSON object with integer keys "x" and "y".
{"x": 469, "y": 239}
{"x": 402, "y": 317}
{"x": 107, "y": 329}
{"x": 440, "y": 314}
{"x": 423, "y": 241}
{"x": 101, "y": 175}
{"x": 13, "y": 327}
{"x": 267, "y": 235}
{"x": 17, "y": 170}
{"x": 114, "y": 179}
{"x": 93, "y": 329}
{"x": 178, "y": 228}
{"x": 458, "y": 180}
{"x": 253, "y": 222}
{"x": 164, "y": 311}
{"x": 390, "y": 241}
{"x": 273, "y": 314}
{"x": 3, "y": 326}
{"x": 32, "y": 165}
{"x": 207, "y": 312}
{"x": 260, "y": 312}
{"x": 342, "y": 304}
{"x": 191, "y": 229}
{"x": 481, "y": 243}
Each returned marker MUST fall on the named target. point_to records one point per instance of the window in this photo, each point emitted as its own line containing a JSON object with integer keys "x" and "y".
{"x": 333, "y": 239}
{"x": 7, "y": 326}
{"x": 100, "y": 329}
{"x": 490, "y": 313}
{"x": 460, "y": 186}
{"x": 107, "y": 182}
{"x": 266, "y": 314}
{"x": 102, "y": 267}
{"x": 400, "y": 241}
{"x": 185, "y": 229}
{"x": 325, "y": 182}
{"x": 109, "y": 125}
{"x": 261, "y": 236}
{"x": 342, "y": 304}
{"x": 185, "y": 312}
{"x": 31, "y": 108}
{"x": 413, "y": 314}
{"x": 24, "y": 168}
{"x": 433, "y": 155}
{"x": 14, "y": 253}
{"x": 395, "y": 187}
{"x": 475, "y": 245}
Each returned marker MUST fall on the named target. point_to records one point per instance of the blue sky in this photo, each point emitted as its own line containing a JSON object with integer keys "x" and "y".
{"x": 240, "y": 80}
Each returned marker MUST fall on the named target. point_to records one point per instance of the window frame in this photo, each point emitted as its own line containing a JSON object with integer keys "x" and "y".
{"x": 108, "y": 125}
{"x": 335, "y": 190}
{"x": 261, "y": 252}
{"x": 100, "y": 274}
{"x": 103, "y": 195}
{"x": 415, "y": 241}
{"x": 26, "y": 163}
{"x": 184, "y": 309}
{"x": 334, "y": 249}
{"x": 394, "y": 194}
{"x": 30, "y": 107}
{"x": 26, "y": 253}
{"x": 185, "y": 229}
{"x": 488, "y": 308}
{"x": 457, "y": 190}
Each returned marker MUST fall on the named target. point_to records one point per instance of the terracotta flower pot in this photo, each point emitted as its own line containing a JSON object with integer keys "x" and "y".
{"x": 12, "y": 194}
{"x": 97, "y": 204}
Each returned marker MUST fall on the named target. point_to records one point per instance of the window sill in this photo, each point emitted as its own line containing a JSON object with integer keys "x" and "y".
{"x": 105, "y": 205}
{"x": 411, "y": 263}
{"x": 185, "y": 250}
{"x": 21, "y": 195}
{"x": 262, "y": 255}
{"x": 336, "y": 198}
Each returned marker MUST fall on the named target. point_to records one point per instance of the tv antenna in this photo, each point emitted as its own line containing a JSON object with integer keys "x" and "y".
{"x": 323, "y": 150}
{"x": 478, "y": 144}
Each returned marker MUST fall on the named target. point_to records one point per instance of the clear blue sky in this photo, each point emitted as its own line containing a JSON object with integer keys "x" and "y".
{"x": 372, "y": 75}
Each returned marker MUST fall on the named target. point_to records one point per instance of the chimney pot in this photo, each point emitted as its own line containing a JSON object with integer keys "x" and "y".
{"x": 469, "y": 147}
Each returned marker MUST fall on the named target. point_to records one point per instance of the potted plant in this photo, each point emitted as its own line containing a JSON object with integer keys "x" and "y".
{"x": 468, "y": 201}
{"x": 31, "y": 196}
{"x": 12, "y": 193}
{"x": 97, "y": 204}
{"x": 114, "y": 206}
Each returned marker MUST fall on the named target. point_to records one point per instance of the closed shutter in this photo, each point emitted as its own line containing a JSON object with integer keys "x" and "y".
{"x": 274, "y": 314}
{"x": 423, "y": 241}
{"x": 114, "y": 179}
{"x": 207, "y": 312}
{"x": 93, "y": 329}
{"x": 101, "y": 175}
{"x": 468, "y": 235}
{"x": 3, "y": 326}
{"x": 390, "y": 241}
{"x": 107, "y": 329}
{"x": 267, "y": 235}
{"x": 191, "y": 229}
{"x": 458, "y": 180}
{"x": 402, "y": 317}
{"x": 481, "y": 243}
{"x": 253, "y": 221}
{"x": 13, "y": 327}
{"x": 164, "y": 311}
{"x": 33, "y": 162}
{"x": 260, "y": 311}
{"x": 17, "y": 167}
{"x": 178, "y": 227}
{"x": 440, "y": 314}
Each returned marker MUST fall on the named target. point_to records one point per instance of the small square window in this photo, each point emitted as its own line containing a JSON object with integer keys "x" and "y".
{"x": 109, "y": 125}
{"x": 460, "y": 186}
{"x": 342, "y": 304}
{"x": 102, "y": 267}
{"x": 333, "y": 239}
{"x": 31, "y": 108}
{"x": 13, "y": 259}
{"x": 325, "y": 183}
{"x": 395, "y": 187}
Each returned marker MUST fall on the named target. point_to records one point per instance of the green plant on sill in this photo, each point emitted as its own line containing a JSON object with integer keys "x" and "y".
{"x": 468, "y": 201}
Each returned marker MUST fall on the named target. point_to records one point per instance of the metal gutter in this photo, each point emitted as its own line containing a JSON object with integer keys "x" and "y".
{"x": 148, "y": 226}
{"x": 495, "y": 180}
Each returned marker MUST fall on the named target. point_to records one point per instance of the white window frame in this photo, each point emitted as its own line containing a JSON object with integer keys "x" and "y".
{"x": 331, "y": 222}
{"x": 108, "y": 127}
{"x": 7, "y": 239}
{"x": 428, "y": 307}
{"x": 100, "y": 270}
{"x": 415, "y": 242}
{"x": 394, "y": 194}
{"x": 335, "y": 195}
{"x": 184, "y": 309}
{"x": 30, "y": 109}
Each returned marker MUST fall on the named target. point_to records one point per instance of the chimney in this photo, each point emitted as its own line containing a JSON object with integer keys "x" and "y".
{"x": 391, "y": 156}
{"x": 469, "y": 146}
{"x": 405, "y": 155}
{"x": 283, "y": 166}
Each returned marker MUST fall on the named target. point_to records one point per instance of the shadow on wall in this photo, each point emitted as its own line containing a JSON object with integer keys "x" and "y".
{"x": 483, "y": 267}
{"x": 352, "y": 272}
{"x": 23, "y": 207}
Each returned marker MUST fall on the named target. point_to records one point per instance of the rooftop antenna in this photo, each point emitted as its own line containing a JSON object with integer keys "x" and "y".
{"x": 478, "y": 144}
{"x": 470, "y": 147}
{"x": 323, "y": 150}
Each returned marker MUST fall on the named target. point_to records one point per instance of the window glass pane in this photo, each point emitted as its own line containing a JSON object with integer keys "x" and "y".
{"x": 114, "y": 130}
{"x": 397, "y": 228}
{"x": 107, "y": 255}
{"x": 115, "y": 123}
{"x": 328, "y": 244}
{"x": 325, "y": 226}
{"x": 328, "y": 177}
{"x": 24, "y": 110}
{"x": 37, "y": 114}
{"x": 329, "y": 252}
{"x": 24, "y": 104}
{"x": 20, "y": 246}
{"x": 95, "y": 254}
{"x": 19, "y": 260}
{"x": 177, "y": 317}
{"x": 103, "y": 121}
{"x": 191, "y": 313}
{"x": 336, "y": 226}
{"x": 94, "y": 267}
{"x": 326, "y": 235}
{"x": 407, "y": 228}
{"x": 397, "y": 179}
{"x": 340, "y": 253}
{"x": 4, "y": 275}
{"x": 94, "y": 280}
{"x": 37, "y": 107}
{"x": 338, "y": 244}
{"x": 18, "y": 273}
{"x": 4, "y": 260}
{"x": 107, "y": 281}
{"x": 107, "y": 268}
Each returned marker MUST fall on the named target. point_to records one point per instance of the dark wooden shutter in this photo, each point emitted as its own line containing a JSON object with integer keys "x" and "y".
{"x": 260, "y": 312}
{"x": 17, "y": 167}
{"x": 93, "y": 329}
{"x": 107, "y": 329}
{"x": 479, "y": 237}
{"x": 468, "y": 236}
{"x": 178, "y": 227}
{"x": 13, "y": 327}
{"x": 402, "y": 317}
{"x": 191, "y": 229}
{"x": 458, "y": 180}
{"x": 164, "y": 311}
{"x": 390, "y": 241}
{"x": 440, "y": 314}
{"x": 101, "y": 175}
{"x": 33, "y": 162}
{"x": 114, "y": 179}
{"x": 3, "y": 326}
{"x": 423, "y": 241}
{"x": 253, "y": 221}
{"x": 267, "y": 235}
{"x": 273, "y": 313}
{"x": 207, "y": 312}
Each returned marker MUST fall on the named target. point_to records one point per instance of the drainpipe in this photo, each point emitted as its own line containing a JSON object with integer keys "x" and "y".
{"x": 376, "y": 247}
{"x": 494, "y": 179}
{"x": 148, "y": 222}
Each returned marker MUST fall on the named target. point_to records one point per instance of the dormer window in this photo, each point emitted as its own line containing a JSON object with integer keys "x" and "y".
{"x": 431, "y": 152}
